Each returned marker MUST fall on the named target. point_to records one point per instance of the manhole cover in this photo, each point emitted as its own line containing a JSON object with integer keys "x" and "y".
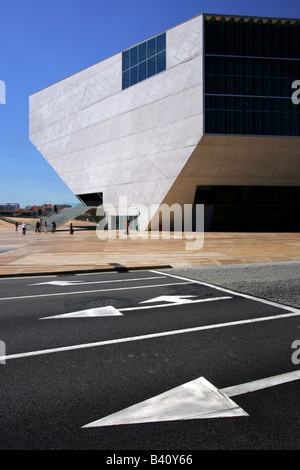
{"x": 84, "y": 304}
{"x": 101, "y": 303}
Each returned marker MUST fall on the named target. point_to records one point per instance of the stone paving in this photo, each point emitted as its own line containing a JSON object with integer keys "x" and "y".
{"x": 60, "y": 252}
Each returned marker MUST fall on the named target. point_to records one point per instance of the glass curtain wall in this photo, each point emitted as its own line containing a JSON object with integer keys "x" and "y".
{"x": 250, "y": 65}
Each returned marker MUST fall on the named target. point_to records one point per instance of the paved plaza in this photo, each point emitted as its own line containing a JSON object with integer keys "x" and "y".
{"x": 37, "y": 253}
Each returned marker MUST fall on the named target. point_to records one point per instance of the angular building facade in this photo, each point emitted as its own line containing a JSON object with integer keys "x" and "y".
{"x": 199, "y": 114}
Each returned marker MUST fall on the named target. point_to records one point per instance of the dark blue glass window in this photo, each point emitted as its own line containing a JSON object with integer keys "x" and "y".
{"x": 151, "y": 47}
{"x": 144, "y": 61}
{"x": 133, "y": 75}
{"x": 142, "y": 71}
{"x": 125, "y": 79}
{"x": 250, "y": 65}
{"x": 161, "y": 43}
{"x": 142, "y": 52}
{"x": 151, "y": 66}
{"x": 133, "y": 56}
{"x": 161, "y": 61}
{"x": 125, "y": 61}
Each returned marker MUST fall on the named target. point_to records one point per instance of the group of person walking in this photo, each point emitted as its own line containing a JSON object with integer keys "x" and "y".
{"x": 40, "y": 227}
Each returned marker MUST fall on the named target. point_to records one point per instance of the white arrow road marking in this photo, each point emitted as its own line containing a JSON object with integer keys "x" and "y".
{"x": 101, "y": 312}
{"x": 261, "y": 384}
{"x": 77, "y": 283}
{"x": 177, "y": 299}
{"x": 197, "y": 399}
{"x": 91, "y": 312}
{"x": 57, "y": 283}
{"x": 180, "y": 300}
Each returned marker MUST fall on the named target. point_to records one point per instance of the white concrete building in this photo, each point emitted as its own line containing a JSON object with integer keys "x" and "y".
{"x": 133, "y": 126}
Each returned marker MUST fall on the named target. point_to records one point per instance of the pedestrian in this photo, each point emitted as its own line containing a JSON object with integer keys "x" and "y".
{"x": 24, "y": 229}
{"x": 37, "y": 227}
{"x": 127, "y": 227}
{"x": 71, "y": 229}
{"x": 46, "y": 226}
{"x": 17, "y": 225}
{"x": 53, "y": 227}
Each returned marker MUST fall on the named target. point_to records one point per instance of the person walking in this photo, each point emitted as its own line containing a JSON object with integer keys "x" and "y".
{"x": 17, "y": 225}
{"x": 71, "y": 229}
{"x": 46, "y": 226}
{"x": 53, "y": 227}
{"x": 24, "y": 229}
{"x": 127, "y": 227}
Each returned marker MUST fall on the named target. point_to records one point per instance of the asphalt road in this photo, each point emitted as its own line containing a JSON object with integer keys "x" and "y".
{"x": 199, "y": 358}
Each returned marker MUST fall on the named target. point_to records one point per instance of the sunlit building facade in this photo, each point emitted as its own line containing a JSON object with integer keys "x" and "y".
{"x": 199, "y": 114}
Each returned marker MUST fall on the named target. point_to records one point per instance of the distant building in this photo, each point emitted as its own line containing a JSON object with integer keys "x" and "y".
{"x": 9, "y": 206}
{"x": 43, "y": 210}
{"x": 199, "y": 114}
{"x": 48, "y": 208}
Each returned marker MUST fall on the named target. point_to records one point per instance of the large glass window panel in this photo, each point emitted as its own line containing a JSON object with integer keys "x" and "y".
{"x": 133, "y": 56}
{"x": 251, "y": 116}
{"x": 125, "y": 60}
{"x": 133, "y": 75}
{"x": 125, "y": 79}
{"x": 161, "y": 42}
{"x": 252, "y": 37}
{"x": 142, "y": 52}
{"x": 151, "y": 64}
{"x": 152, "y": 50}
{"x": 161, "y": 61}
{"x": 142, "y": 71}
{"x": 250, "y": 76}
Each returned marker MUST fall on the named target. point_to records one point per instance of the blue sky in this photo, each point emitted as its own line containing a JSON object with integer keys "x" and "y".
{"x": 43, "y": 41}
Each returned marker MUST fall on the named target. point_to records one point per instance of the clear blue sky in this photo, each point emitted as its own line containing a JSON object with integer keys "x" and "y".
{"x": 43, "y": 41}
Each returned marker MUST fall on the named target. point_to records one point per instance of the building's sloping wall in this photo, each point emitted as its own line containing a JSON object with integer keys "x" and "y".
{"x": 130, "y": 143}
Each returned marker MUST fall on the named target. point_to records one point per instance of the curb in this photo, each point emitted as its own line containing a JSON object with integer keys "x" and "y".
{"x": 86, "y": 271}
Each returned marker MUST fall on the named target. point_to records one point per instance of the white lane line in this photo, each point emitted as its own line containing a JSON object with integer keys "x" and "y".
{"x": 22, "y": 297}
{"x": 150, "y": 336}
{"x": 79, "y": 283}
{"x": 261, "y": 384}
{"x": 229, "y": 291}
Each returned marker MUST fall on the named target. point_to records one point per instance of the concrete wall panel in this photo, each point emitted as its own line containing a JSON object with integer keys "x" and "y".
{"x": 132, "y": 142}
